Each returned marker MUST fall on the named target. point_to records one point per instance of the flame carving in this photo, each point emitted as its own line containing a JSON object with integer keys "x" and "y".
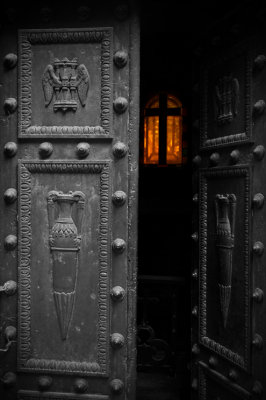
{"x": 225, "y": 209}
{"x": 64, "y": 240}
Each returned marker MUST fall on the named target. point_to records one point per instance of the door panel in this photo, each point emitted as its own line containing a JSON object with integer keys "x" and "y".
{"x": 229, "y": 221}
{"x": 69, "y": 131}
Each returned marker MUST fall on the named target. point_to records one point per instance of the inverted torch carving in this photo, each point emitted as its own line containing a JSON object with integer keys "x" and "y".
{"x": 227, "y": 98}
{"x": 225, "y": 209}
{"x": 67, "y": 82}
{"x": 64, "y": 240}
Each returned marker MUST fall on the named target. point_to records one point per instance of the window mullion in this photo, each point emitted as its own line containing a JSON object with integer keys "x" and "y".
{"x": 163, "y": 129}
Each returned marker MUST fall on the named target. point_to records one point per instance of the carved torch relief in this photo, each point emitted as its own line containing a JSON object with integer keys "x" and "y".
{"x": 227, "y": 99}
{"x": 64, "y": 241}
{"x": 225, "y": 209}
{"x": 66, "y": 82}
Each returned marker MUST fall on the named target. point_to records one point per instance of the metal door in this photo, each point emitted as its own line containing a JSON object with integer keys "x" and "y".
{"x": 228, "y": 277}
{"x": 69, "y": 158}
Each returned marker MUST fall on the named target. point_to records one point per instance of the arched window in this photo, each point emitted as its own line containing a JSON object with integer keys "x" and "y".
{"x": 163, "y": 130}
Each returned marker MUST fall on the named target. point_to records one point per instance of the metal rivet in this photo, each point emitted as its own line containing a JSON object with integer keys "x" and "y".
{"x": 11, "y": 242}
{"x": 9, "y": 288}
{"x": 84, "y": 13}
{"x": 10, "y": 61}
{"x": 119, "y": 198}
{"x": 118, "y": 245}
{"x": 120, "y": 105}
{"x": 233, "y": 375}
{"x": 195, "y": 198}
{"x": 46, "y": 14}
{"x": 258, "y": 248}
{"x": 234, "y": 156}
{"x": 10, "y": 333}
{"x": 258, "y": 295}
{"x": 258, "y": 200}
{"x": 117, "y": 386}
{"x": 83, "y": 149}
{"x": 259, "y": 62}
{"x": 10, "y": 105}
{"x": 45, "y": 382}
{"x": 9, "y": 379}
{"x": 119, "y": 150}
{"x": 45, "y": 149}
{"x": 120, "y": 58}
{"x": 196, "y": 161}
{"x": 259, "y": 107}
{"x": 195, "y": 349}
{"x": 215, "y": 159}
{"x": 117, "y": 340}
{"x": 10, "y": 195}
{"x": 213, "y": 362}
{"x": 259, "y": 152}
{"x": 194, "y": 311}
{"x": 195, "y": 274}
{"x": 257, "y": 341}
{"x": 80, "y": 385}
{"x": 194, "y": 384}
{"x": 195, "y": 236}
{"x": 117, "y": 293}
{"x": 10, "y": 149}
{"x": 257, "y": 388}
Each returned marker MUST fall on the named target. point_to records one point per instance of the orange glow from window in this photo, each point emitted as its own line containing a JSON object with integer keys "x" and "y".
{"x": 174, "y": 140}
{"x": 151, "y": 140}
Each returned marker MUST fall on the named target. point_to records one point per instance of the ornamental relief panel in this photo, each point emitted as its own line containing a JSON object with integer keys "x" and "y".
{"x": 65, "y": 83}
{"x": 224, "y": 263}
{"x": 64, "y": 267}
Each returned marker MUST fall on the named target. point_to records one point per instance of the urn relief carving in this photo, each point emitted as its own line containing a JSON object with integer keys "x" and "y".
{"x": 225, "y": 209}
{"x": 64, "y": 241}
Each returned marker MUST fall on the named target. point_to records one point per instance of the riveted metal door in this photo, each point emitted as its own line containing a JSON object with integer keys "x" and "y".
{"x": 69, "y": 157}
{"x": 228, "y": 277}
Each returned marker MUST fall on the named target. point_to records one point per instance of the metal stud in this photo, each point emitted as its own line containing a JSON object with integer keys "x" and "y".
{"x": 120, "y": 105}
{"x": 9, "y": 379}
{"x": 117, "y": 293}
{"x": 45, "y": 382}
{"x": 10, "y": 105}
{"x": 120, "y": 150}
{"x": 258, "y": 248}
{"x": 80, "y": 385}
{"x": 258, "y": 200}
{"x": 120, "y": 58}
{"x": 117, "y": 386}
{"x": 118, "y": 246}
{"x": 11, "y": 242}
{"x": 45, "y": 149}
{"x": 195, "y": 198}
{"x": 196, "y": 124}
{"x": 214, "y": 159}
{"x": 119, "y": 198}
{"x": 195, "y": 236}
{"x": 9, "y": 288}
{"x": 10, "y": 149}
{"x": 258, "y": 295}
{"x": 234, "y": 156}
{"x": 194, "y": 384}
{"x": 213, "y": 362}
{"x": 121, "y": 11}
{"x": 194, "y": 311}
{"x": 10, "y": 195}
{"x": 195, "y": 274}
{"x": 46, "y": 14}
{"x": 84, "y": 13}
{"x": 257, "y": 341}
{"x": 83, "y": 149}
{"x": 195, "y": 349}
{"x": 259, "y": 152}
{"x": 259, "y": 107}
{"x": 10, "y": 333}
{"x": 233, "y": 375}
{"x": 10, "y": 61}
{"x": 259, "y": 62}
{"x": 196, "y": 161}
{"x": 117, "y": 340}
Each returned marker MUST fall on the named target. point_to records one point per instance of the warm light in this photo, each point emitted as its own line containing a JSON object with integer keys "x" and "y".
{"x": 172, "y": 116}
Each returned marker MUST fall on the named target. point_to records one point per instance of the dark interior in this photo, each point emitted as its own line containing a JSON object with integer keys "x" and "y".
{"x": 172, "y": 34}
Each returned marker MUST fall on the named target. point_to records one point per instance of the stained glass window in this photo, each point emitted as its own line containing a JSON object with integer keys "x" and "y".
{"x": 163, "y": 130}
